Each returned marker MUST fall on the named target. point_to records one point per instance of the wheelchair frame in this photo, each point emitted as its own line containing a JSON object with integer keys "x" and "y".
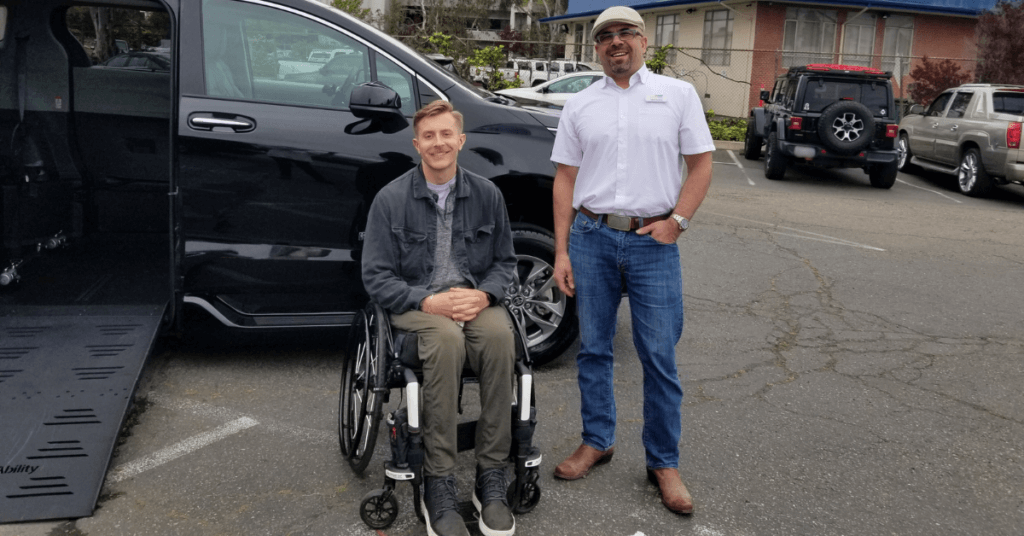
{"x": 372, "y": 367}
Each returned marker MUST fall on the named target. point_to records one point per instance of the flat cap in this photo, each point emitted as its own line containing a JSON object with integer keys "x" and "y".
{"x": 617, "y": 14}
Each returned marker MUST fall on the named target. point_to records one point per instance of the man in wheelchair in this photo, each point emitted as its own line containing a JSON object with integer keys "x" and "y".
{"x": 437, "y": 256}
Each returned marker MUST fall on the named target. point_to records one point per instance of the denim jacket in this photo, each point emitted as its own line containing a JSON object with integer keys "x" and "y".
{"x": 401, "y": 236}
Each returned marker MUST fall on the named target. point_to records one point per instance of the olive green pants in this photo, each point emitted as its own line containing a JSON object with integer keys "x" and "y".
{"x": 487, "y": 342}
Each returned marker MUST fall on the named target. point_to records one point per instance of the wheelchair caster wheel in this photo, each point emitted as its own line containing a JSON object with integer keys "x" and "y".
{"x": 379, "y": 509}
{"x": 528, "y": 498}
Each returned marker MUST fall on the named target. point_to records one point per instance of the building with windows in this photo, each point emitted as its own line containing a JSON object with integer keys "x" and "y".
{"x": 731, "y": 49}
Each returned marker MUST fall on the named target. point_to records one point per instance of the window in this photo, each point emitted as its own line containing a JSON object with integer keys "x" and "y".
{"x": 588, "y": 48}
{"x": 1008, "y": 103}
{"x": 899, "y": 34}
{"x": 859, "y": 39}
{"x": 665, "y": 34}
{"x": 809, "y": 36}
{"x": 717, "y": 37}
{"x": 399, "y": 80}
{"x": 820, "y": 93}
{"x": 571, "y": 84}
{"x": 938, "y": 105}
{"x": 3, "y": 22}
{"x": 959, "y": 106}
{"x": 141, "y": 33}
{"x": 259, "y": 53}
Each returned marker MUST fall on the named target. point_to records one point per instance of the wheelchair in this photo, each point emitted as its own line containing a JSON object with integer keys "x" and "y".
{"x": 380, "y": 359}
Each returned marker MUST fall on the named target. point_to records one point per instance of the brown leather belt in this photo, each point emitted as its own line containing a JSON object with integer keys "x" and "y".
{"x": 623, "y": 223}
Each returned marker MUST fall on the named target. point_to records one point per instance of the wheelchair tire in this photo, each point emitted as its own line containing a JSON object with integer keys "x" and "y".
{"x": 530, "y": 496}
{"x": 379, "y": 509}
{"x": 360, "y": 403}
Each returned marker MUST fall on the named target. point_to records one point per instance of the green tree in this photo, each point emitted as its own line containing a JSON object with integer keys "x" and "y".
{"x": 658, "y": 62}
{"x": 352, "y": 7}
{"x": 492, "y": 58}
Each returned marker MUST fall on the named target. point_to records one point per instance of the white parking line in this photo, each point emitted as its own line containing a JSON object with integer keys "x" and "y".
{"x": 742, "y": 169}
{"x": 309, "y": 435}
{"x": 814, "y": 236}
{"x": 180, "y": 449}
{"x": 927, "y": 190}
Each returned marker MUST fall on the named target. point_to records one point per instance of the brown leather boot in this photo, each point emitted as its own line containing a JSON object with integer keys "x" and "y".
{"x": 578, "y": 465}
{"x": 674, "y": 495}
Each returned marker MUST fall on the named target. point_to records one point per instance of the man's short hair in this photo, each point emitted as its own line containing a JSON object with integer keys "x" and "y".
{"x": 437, "y": 107}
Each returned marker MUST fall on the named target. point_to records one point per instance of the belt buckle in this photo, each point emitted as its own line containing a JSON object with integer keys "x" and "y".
{"x": 619, "y": 223}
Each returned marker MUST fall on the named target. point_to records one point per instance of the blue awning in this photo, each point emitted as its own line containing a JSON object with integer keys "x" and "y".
{"x": 964, "y": 8}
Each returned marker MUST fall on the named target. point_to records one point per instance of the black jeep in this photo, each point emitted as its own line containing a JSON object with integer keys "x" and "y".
{"x": 828, "y": 116}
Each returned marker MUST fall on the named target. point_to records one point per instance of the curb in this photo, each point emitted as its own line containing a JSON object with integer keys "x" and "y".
{"x": 723, "y": 145}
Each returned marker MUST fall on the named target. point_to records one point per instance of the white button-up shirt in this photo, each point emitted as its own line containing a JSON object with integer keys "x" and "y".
{"x": 627, "y": 143}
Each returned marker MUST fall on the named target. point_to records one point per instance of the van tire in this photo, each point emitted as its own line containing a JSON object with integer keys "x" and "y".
{"x": 536, "y": 305}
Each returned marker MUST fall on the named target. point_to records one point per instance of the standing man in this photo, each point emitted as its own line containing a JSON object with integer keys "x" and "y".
{"x": 620, "y": 205}
{"x": 438, "y": 256}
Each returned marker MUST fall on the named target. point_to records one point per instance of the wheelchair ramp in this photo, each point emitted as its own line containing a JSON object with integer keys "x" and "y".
{"x": 67, "y": 376}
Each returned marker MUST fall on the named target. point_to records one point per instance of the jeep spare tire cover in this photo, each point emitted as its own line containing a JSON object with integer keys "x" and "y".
{"x": 846, "y": 127}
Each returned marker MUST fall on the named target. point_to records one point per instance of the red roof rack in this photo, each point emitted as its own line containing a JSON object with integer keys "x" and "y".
{"x": 835, "y": 67}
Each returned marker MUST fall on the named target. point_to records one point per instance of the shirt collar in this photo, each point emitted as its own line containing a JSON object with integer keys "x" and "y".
{"x": 419, "y": 185}
{"x": 641, "y": 76}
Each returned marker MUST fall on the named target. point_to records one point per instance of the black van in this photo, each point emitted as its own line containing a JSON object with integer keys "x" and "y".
{"x": 214, "y": 167}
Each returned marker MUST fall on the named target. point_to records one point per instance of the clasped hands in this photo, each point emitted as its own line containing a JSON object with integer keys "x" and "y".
{"x": 458, "y": 304}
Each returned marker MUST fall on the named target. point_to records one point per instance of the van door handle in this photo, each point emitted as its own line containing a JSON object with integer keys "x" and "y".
{"x": 954, "y": 127}
{"x": 211, "y": 121}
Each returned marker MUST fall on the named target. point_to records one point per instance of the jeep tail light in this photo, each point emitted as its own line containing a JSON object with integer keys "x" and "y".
{"x": 890, "y": 130}
{"x": 797, "y": 123}
{"x": 1013, "y": 135}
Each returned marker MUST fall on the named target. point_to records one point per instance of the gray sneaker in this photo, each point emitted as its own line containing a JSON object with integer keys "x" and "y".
{"x": 441, "y": 507}
{"x": 490, "y": 497}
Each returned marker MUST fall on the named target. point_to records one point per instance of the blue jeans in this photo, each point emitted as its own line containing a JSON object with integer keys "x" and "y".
{"x": 602, "y": 258}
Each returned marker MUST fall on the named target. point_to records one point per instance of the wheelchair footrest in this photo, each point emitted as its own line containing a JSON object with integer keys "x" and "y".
{"x": 398, "y": 473}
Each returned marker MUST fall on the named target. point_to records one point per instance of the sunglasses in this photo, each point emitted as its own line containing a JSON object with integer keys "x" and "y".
{"x": 626, "y": 35}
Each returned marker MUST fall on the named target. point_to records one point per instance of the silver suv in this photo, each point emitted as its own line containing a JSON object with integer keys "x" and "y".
{"x": 972, "y": 131}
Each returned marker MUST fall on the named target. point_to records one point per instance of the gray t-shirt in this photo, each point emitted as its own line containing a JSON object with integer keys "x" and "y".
{"x": 446, "y": 273}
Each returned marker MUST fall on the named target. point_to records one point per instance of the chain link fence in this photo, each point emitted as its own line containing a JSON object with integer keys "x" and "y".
{"x": 729, "y": 81}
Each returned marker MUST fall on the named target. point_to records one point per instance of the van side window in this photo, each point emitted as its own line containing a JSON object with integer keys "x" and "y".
{"x": 253, "y": 52}
{"x": 131, "y": 38}
{"x": 399, "y": 80}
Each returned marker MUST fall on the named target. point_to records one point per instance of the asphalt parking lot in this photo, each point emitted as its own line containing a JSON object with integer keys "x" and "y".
{"x": 852, "y": 361}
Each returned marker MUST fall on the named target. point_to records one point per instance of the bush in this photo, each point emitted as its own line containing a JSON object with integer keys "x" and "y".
{"x": 726, "y": 129}
{"x": 933, "y": 77}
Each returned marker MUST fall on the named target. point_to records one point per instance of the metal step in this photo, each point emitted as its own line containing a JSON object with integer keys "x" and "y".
{"x": 67, "y": 377}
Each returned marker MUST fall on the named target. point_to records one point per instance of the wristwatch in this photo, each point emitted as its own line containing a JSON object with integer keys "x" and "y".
{"x": 681, "y": 221}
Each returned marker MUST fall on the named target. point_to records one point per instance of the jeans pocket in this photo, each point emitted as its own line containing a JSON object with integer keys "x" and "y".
{"x": 583, "y": 224}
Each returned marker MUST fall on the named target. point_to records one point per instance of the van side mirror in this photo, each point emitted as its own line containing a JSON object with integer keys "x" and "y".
{"x": 379, "y": 105}
{"x": 765, "y": 95}
{"x": 916, "y": 109}
{"x": 375, "y": 100}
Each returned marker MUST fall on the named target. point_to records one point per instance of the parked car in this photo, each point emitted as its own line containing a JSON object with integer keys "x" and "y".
{"x": 972, "y": 131}
{"x": 534, "y": 72}
{"x": 829, "y": 116}
{"x": 554, "y": 92}
{"x": 145, "y": 61}
{"x": 269, "y": 177}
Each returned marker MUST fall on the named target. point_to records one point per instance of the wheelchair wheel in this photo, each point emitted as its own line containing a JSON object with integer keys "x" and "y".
{"x": 530, "y": 495}
{"x": 359, "y": 407}
{"x": 379, "y": 509}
